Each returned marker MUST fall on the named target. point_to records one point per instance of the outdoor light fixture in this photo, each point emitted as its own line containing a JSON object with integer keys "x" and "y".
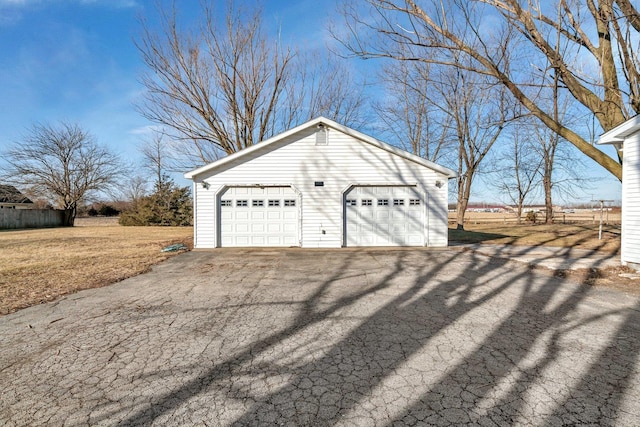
{"x": 439, "y": 184}
{"x": 205, "y": 185}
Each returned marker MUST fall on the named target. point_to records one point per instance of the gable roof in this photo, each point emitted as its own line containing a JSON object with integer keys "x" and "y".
{"x": 10, "y": 194}
{"x": 264, "y": 146}
{"x": 618, "y": 134}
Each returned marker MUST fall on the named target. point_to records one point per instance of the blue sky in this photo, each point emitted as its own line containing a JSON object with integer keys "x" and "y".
{"x": 75, "y": 60}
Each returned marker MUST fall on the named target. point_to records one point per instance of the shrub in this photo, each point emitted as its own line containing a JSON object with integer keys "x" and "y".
{"x": 107, "y": 210}
{"x": 168, "y": 205}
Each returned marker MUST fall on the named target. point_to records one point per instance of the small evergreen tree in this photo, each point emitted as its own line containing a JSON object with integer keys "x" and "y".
{"x": 168, "y": 205}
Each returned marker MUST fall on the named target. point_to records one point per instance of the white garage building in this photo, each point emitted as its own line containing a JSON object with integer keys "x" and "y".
{"x": 626, "y": 137}
{"x": 320, "y": 184}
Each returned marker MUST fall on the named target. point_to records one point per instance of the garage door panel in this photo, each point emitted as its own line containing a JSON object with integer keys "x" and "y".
{"x": 258, "y": 241}
{"x": 384, "y": 216}
{"x": 254, "y": 216}
{"x": 274, "y": 214}
{"x": 242, "y": 240}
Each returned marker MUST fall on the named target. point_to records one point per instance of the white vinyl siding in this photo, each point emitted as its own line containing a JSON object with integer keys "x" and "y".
{"x": 630, "y": 244}
{"x": 343, "y": 162}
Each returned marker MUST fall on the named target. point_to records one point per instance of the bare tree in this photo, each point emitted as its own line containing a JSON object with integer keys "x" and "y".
{"x": 156, "y": 156}
{"x": 562, "y": 171}
{"x": 63, "y": 163}
{"x": 519, "y": 167}
{"x": 222, "y": 88}
{"x": 135, "y": 188}
{"x": 217, "y": 88}
{"x": 600, "y": 69}
{"x": 323, "y": 85}
{"x": 479, "y": 114}
{"x": 408, "y": 113}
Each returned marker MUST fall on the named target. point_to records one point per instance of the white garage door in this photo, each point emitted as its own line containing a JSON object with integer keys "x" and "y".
{"x": 384, "y": 216}
{"x": 254, "y": 216}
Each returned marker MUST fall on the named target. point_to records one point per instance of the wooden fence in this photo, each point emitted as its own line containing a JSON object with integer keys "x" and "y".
{"x": 30, "y": 218}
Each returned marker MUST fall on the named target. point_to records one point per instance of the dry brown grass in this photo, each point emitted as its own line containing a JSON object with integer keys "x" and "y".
{"x": 582, "y": 236}
{"x": 41, "y": 265}
{"x": 581, "y": 216}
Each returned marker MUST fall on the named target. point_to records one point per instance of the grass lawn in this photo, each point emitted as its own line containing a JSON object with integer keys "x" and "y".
{"x": 41, "y": 265}
{"x": 583, "y": 236}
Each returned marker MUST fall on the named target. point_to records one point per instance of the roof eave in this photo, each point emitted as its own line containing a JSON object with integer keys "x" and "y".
{"x": 332, "y": 124}
{"x": 617, "y": 135}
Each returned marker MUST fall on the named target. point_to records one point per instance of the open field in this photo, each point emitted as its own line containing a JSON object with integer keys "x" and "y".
{"x": 41, "y": 265}
{"x": 581, "y": 236}
{"x": 576, "y": 216}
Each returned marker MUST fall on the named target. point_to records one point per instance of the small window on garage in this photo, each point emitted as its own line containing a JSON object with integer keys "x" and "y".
{"x": 242, "y": 203}
{"x": 366, "y": 202}
{"x": 290, "y": 202}
{"x": 383, "y": 202}
{"x": 352, "y": 202}
{"x": 322, "y": 135}
{"x": 225, "y": 202}
{"x": 257, "y": 203}
{"x": 414, "y": 202}
{"x": 274, "y": 203}
{"x": 398, "y": 202}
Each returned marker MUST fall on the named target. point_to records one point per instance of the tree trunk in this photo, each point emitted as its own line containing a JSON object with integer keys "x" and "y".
{"x": 548, "y": 204}
{"x": 464, "y": 189}
{"x": 69, "y": 217}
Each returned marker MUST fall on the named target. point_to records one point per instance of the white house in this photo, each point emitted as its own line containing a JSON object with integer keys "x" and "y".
{"x": 320, "y": 184}
{"x": 626, "y": 137}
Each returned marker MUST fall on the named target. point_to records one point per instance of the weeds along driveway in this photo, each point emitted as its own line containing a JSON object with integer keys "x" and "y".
{"x": 336, "y": 337}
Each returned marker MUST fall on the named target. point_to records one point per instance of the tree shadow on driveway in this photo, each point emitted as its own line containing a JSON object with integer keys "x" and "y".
{"x": 336, "y": 337}
{"x": 460, "y": 339}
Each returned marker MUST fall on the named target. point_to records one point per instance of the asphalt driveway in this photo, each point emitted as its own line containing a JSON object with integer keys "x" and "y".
{"x": 326, "y": 337}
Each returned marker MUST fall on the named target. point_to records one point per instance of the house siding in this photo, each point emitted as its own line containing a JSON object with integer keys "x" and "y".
{"x": 344, "y": 161}
{"x": 630, "y": 244}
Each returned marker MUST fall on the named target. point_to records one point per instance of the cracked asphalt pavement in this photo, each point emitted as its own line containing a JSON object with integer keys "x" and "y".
{"x": 326, "y": 337}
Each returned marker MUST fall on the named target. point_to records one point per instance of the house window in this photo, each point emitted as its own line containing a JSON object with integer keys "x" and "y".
{"x": 225, "y": 202}
{"x": 383, "y": 202}
{"x": 414, "y": 202}
{"x": 398, "y": 202}
{"x": 366, "y": 202}
{"x": 241, "y": 203}
{"x": 352, "y": 202}
{"x": 290, "y": 202}
{"x": 273, "y": 203}
{"x": 257, "y": 203}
